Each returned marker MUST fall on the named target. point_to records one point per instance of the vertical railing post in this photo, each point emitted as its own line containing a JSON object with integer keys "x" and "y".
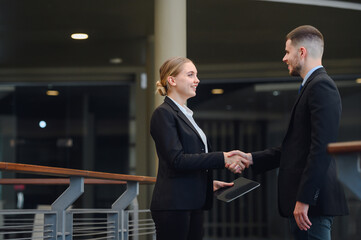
{"x": 50, "y": 226}
{"x": 135, "y": 207}
{"x": 120, "y": 204}
{"x": 113, "y": 220}
{"x": 125, "y": 217}
{"x": 68, "y": 197}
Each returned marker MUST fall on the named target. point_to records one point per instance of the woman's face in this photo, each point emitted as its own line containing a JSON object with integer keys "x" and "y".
{"x": 186, "y": 81}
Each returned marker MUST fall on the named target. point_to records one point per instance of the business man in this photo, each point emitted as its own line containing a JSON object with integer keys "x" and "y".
{"x": 309, "y": 193}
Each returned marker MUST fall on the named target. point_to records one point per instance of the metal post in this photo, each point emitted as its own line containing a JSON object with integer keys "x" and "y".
{"x": 72, "y": 193}
{"x": 135, "y": 207}
{"x": 50, "y": 226}
{"x": 121, "y": 203}
{"x": 113, "y": 220}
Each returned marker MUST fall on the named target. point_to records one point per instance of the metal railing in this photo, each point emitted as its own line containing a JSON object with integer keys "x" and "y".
{"x": 62, "y": 222}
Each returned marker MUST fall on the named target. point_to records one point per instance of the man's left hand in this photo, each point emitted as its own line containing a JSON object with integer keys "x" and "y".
{"x": 300, "y": 214}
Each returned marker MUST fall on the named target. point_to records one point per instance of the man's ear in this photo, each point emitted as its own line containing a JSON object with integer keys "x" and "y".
{"x": 303, "y": 52}
{"x": 171, "y": 81}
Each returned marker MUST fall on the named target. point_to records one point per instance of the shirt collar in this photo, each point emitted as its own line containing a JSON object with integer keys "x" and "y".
{"x": 309, "y": 74}
{"x": 183, "y": 108}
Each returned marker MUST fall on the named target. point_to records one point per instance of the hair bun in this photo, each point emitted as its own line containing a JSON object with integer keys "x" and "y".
{"x": 160, "y": 89}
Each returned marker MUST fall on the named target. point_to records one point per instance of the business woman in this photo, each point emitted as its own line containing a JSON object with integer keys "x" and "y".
{"x": 184, "y": 186}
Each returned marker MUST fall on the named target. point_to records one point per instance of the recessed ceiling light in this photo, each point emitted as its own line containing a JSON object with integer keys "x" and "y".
{"x": 217, "y": 91}
{"x": 52, "y": 92}
{"x": 358, "y": 80}
{"x": 79, "y": 36}
{"x": 116, "y": 60}
{"x": 42, "y": 124}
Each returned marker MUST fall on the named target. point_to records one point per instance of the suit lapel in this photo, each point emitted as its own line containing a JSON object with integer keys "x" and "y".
{"x": 313, "y": 75}
{"x": 181, "y": 115}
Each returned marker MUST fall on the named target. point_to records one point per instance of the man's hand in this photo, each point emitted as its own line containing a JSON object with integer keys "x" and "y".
{"x": 245, "y": 158}
{"x": 300, "y": 214}
{"x": 234, "y": 161}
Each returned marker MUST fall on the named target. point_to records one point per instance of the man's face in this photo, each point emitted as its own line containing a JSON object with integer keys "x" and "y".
{"x": 292, "y": 59}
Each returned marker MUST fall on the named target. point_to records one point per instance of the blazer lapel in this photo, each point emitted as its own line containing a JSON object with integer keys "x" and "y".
{"x": 313, "y": 75}
{"x": 181, "y": 115}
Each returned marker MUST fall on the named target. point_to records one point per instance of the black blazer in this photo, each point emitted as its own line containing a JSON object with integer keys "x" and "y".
{"x": 307, "y": 173}
{"x": 183, "y": 181}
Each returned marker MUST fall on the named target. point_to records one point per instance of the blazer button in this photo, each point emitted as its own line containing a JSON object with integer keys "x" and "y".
{"x": 202, "y": 149}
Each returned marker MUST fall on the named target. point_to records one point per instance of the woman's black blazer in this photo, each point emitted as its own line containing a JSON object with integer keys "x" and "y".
{"x": 184, "y": 181}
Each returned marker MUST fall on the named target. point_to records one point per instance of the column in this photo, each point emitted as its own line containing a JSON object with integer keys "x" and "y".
{"x": 170, "y": 33}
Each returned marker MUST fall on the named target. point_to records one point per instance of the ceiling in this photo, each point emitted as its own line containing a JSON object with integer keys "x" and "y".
{"x": 225, "y": 38}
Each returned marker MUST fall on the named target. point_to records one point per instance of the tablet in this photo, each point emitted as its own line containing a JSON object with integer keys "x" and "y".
{"x": 241, "y": 186}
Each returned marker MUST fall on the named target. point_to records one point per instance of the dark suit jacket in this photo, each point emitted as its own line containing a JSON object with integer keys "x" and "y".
{"x": 307, "y": 173}
{"x": 183, "y": 180}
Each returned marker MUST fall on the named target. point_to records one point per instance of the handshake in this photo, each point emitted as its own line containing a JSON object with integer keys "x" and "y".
{"x": 236, "y": 161}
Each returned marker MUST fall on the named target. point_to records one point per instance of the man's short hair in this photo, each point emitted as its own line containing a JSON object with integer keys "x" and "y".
{"x": 309, "y": 37}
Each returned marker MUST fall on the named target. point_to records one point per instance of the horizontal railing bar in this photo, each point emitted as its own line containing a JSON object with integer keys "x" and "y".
{"x": 22, "y": 232}
{"x": 93, "y": 233}
{"x": 44, "y": 237}
{"x": 25, "y": 211}
{"x": 344, "y": 147}
{"x": 5, "y": 226}
{"x": 99, "y": 238}
{"x": 54, "y": 181}
{"x": 17, "y": 224}
{"x": 88, "y": 210}
{"x": 139, "y": 234}
{"x": 89, "y": 219}
{"x": 27, "y": 224}
{"x": 80, "y": 229}
{"x": 140, "y": 229}
{"x": 141, "y": 222}
{"x": 97, "y": 223}
{"x": 31, "y": 238}
{"x": 144, "y": 219}
{"x": 65, "y": 172}
{"x": 138, "y": 211}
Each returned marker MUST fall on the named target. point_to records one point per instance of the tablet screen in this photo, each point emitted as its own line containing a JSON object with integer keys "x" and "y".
{"x": 241, "y": 186}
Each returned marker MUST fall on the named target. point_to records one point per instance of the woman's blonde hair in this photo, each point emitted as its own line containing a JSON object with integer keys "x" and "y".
{"x": 171, "y": 67}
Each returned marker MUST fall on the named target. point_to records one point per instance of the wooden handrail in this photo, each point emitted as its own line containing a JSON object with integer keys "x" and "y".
{"x": 65, "y": 172}
{"x": 53, "y": 181}
{"x": 344, "y": 147}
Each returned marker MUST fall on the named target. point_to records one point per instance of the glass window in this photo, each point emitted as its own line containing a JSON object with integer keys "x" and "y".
{"x": 71, "y": 126}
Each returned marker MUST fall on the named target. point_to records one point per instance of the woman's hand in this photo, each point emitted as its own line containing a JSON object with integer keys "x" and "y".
{"x": 219, "y": 184}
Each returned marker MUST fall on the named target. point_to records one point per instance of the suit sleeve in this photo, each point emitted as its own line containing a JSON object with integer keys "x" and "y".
{"x": 325, "y": 111}
{"x": 165, "y": 132}
{"x": 266, "y": 160}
